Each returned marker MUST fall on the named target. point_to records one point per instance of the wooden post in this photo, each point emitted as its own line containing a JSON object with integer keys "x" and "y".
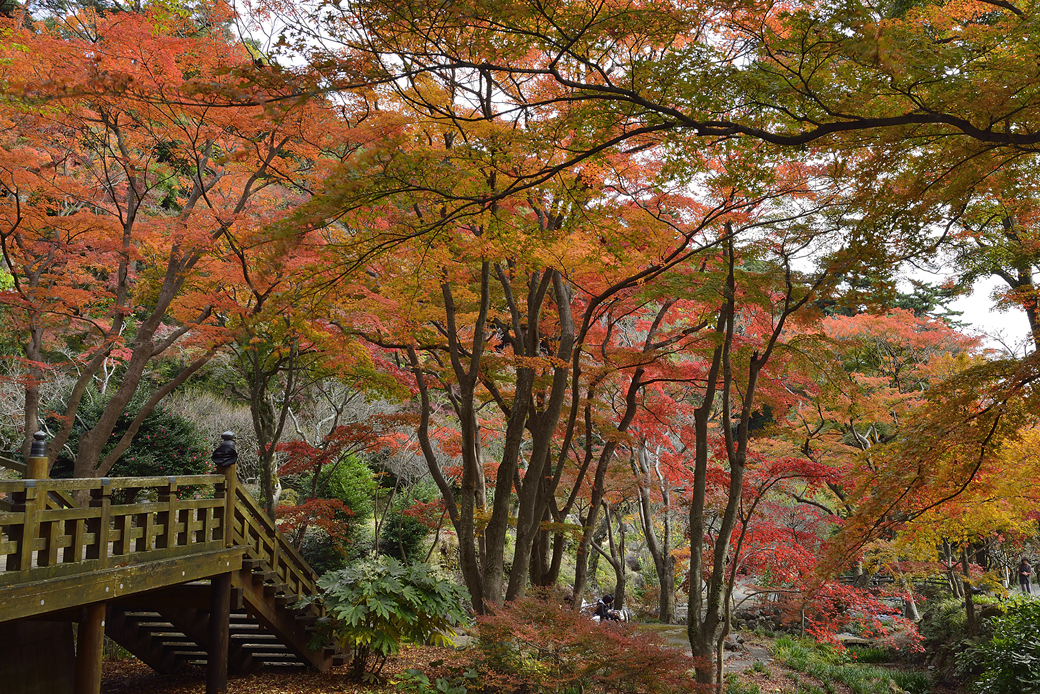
{"x": 24, "y": 535}
{"x": 231, "y": 480}
{"x": 99, "y": 525}
{"x": 225, "y": 457}
{"x": 90, "y": 649}
{"x": 167, "y": 518}
{"x": 219, "y": 638}
{"x": 38, "y": 463}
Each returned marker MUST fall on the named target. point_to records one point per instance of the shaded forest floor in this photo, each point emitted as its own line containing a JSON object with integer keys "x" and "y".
{"x": 754, "y": 672}
{"x": 131, "y": 676}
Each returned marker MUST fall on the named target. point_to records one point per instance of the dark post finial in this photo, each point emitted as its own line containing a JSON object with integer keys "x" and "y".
{"x": 38, "y": 464}
{"x": 225, "y": 458}
{"x": 39, "y": 445}
{"x": 225, "y": 455}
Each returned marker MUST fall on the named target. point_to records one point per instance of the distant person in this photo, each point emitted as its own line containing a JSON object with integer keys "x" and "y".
{"x": 1024, "y": 572}
{"x": 605, "y": 609}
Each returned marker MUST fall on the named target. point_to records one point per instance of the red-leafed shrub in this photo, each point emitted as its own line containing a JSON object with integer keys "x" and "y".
{"x": 538, "y": 644}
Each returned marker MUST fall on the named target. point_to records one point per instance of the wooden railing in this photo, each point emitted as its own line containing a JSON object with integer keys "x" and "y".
{"x": 12, "y": 464}
{"x": 40, "y": 540}
{"x": 253, "y": 529}
{"x": 55, "y": 498}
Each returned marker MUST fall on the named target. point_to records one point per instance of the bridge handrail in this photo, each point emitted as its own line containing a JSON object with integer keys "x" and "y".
{"x": 55, "y": 499}
{"x": 38, "y": 542}
{"x": 95, "y": 483}
{"x": 253, "y": 529}
{"x": 13, "y": 465}
{"x": 41, "y": 539}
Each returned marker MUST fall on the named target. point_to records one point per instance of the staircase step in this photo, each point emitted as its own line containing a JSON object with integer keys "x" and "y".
{"x": 251, "y": 564}
{"x": 248, "y": 629}
{"x": 275, "y": 588}
{"x": 174, "y": 645}
{"x": 265, "y": 648}
{"x": 276, "y": 656}
{"x": 173, "y": 639}
{"x": 264, "y": 576}
{"x": 287, "y": 599}
{"x": 283, "y": 665}
{"x": 256, "y": 638}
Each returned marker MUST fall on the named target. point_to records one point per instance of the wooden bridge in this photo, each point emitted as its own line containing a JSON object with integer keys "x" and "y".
{"x": 179, "y": 571}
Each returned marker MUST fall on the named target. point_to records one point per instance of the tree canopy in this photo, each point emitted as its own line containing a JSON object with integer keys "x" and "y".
{"x": 585, "y": 264}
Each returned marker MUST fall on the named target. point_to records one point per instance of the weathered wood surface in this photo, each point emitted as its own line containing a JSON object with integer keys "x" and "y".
{"x": 39, "y": 541}
{"x": 90, "y": 644}
{"x": 137, "y": 540}
{"x": 37, "y": 597}
{"x": 252, "y": 529}
{"x": 15, "y": 465}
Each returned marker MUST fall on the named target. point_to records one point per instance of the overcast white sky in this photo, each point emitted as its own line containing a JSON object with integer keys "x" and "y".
{"x": 1002, "y": 329}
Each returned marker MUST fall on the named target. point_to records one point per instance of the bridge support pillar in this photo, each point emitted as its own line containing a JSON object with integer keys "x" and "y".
{"x": 219, "y": 634}
{"x": 90, "y": 644}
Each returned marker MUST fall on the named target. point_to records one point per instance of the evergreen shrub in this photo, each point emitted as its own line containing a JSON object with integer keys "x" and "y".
{"x": 402, "y": 536}
{"x": 1010, "y": 658}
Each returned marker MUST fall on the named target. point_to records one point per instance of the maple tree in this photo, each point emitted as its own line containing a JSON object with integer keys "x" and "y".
{"x": 482, "y": 362}
{"x": 937, "y": 83}
{"x": 995, "y": 234}
{"x": 660, "y": 484}
{"x": 499, "y": 271}
{"x": 914, "y": 426}
{"x": 572, "y": 240}
{"x": 872, "y": 371}
{"x": 132, "y": 180}
{"x": 511, "y": 315}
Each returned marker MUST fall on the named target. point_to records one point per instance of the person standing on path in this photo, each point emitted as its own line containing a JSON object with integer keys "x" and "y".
{"x": 1024, "y": 572}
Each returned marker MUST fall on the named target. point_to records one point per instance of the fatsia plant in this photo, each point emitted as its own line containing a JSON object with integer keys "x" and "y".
{"x": 375, "y": 605}
{"x": 1011, "y": 655}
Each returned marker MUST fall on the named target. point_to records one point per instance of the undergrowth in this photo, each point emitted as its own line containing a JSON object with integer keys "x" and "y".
{"x": 828, "y": 664}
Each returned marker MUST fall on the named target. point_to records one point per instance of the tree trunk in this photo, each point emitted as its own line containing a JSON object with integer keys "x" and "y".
{"x": 969, "y": 598}
{"x": 660, "y": 550}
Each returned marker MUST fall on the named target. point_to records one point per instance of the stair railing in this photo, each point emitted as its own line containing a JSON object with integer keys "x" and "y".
{"x": 254, "y": 530}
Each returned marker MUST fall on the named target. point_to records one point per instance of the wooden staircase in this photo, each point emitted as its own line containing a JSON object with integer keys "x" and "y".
{"x": 154, "y": 566}
{"x": 172, "y": 638}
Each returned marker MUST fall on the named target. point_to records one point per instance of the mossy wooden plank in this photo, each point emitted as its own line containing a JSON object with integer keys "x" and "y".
{"x": 13, "y": 465}
{"x": 67, "y": 514}
{"x": 181, "y": 481}
{"x": 38, "y": 597}
{"x": 41, "y": 573}
{"x": 25, "y": 533}
{"x": 74, "y": 552}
